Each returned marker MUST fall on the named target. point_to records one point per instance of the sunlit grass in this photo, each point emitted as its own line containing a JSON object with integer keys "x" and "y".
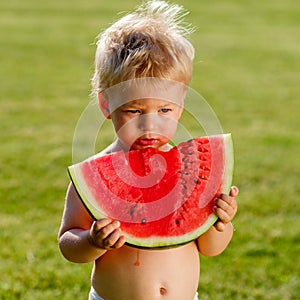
{"x": 246, "y": 67}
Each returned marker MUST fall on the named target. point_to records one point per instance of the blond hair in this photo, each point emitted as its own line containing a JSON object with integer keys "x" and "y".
{"x": 150, "y": 42}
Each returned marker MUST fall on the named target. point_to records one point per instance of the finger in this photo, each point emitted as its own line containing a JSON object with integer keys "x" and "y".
{"x": 228, "y": 200}
{"x": 99, "y": 224}
{"x": 234, "y": 191}
{"x": 112, "y": 239}
{"x": 224, "y": 206}
{"x": 120, "y": 242}
{"x": 107, "y": 230}
{"x": 110, "y": 244}
{"x": 222, "y": 214}
{"x": 220, "y": 226}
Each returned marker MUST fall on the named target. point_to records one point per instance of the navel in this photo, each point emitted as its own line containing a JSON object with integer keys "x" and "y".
{"x": 163, "y": 291}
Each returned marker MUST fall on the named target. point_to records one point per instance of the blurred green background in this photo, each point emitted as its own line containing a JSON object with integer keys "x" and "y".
{"x": 247, "y": 68}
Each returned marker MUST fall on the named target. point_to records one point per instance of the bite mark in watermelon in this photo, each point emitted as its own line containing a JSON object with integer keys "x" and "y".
{"x": 162, "y": 199}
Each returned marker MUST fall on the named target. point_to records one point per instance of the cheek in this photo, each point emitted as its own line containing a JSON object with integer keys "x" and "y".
{"x": 119, "y": 121}
{"x": 168, "y": 126}
{"x": 126, "y": 127}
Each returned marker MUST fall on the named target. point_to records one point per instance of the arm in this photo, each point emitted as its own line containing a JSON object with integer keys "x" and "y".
{"x": 217, "y": 238}
{"x": 80, "y": 238}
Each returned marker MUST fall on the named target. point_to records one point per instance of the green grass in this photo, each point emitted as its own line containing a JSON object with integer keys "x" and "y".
{"x": 247, "y": 67}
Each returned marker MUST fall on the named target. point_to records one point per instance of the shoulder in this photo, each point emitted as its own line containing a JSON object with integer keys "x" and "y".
{"x": 71, "y": 191}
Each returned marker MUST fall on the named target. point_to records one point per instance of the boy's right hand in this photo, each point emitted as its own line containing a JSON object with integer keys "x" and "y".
{"x": 106, "y": 234}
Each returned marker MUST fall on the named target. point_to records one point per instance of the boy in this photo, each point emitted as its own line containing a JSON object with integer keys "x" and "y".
{"x": 147, "y": 44}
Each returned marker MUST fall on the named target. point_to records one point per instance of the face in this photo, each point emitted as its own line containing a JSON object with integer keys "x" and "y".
{"x": 146, "y": 123}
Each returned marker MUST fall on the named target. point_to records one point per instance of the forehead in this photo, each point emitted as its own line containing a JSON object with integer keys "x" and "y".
{"x": 149, "y": 102}
{"x": 157, "y": 89}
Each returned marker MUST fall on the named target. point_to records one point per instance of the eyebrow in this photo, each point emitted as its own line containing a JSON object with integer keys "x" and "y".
{"x": 141, "y": 104}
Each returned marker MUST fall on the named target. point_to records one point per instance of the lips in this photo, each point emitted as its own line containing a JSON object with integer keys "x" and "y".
{"x": 146, "y": 142}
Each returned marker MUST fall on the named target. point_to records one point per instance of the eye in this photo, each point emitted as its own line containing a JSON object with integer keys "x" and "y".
{"x": 132, "y": 111}
{"x": 165, "y": 110}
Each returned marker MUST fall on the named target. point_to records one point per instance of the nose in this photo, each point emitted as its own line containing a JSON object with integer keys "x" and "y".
{"x": 148, "y": 122}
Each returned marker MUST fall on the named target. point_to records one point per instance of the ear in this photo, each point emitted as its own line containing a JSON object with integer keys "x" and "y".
{"x": 103, "y": 105}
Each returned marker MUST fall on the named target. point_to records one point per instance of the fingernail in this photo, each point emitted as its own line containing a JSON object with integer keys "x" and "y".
{"x": 234, "y": 189}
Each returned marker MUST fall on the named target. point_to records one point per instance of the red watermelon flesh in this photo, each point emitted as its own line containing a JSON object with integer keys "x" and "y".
{"x": 162, "y": 199}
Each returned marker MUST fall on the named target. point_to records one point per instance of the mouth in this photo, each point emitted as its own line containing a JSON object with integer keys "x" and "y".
{"x": 146, "y": 142}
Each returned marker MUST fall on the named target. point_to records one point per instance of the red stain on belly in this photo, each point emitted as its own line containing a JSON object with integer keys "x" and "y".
{"x": 137, "y": 263}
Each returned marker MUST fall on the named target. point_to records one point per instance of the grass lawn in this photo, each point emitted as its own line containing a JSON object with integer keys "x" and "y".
{"x": 247, "y": 68}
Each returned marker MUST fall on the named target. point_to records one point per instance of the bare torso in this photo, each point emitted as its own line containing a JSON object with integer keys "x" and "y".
{"x": 134, "y": 274}
{"x": 129, "y": 273}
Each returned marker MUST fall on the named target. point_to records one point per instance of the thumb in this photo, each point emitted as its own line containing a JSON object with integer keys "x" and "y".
{"x": 234, "y": 191}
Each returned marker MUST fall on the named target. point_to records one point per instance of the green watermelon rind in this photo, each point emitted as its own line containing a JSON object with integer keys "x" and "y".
{"x": 170, "y": 242}
{"x": 229, "y": 164}
{"x": 154, "y": 242}
{"x": 84, "y": 193}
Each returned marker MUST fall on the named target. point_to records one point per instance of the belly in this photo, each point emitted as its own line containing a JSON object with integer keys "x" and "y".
{"x": 134, "y": 274}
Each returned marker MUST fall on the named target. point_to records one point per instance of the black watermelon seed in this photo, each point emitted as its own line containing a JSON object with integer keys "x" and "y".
{"x": 131, "y": 211}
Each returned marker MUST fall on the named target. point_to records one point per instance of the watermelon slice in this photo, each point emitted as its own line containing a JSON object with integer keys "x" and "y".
{"x": 162, "y": 199}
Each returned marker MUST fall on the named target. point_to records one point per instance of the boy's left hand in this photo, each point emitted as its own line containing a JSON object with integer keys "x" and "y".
{"x": 225, "y": 208}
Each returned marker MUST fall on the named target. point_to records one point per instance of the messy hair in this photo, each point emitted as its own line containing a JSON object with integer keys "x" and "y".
{"x": 149, "y": 42}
